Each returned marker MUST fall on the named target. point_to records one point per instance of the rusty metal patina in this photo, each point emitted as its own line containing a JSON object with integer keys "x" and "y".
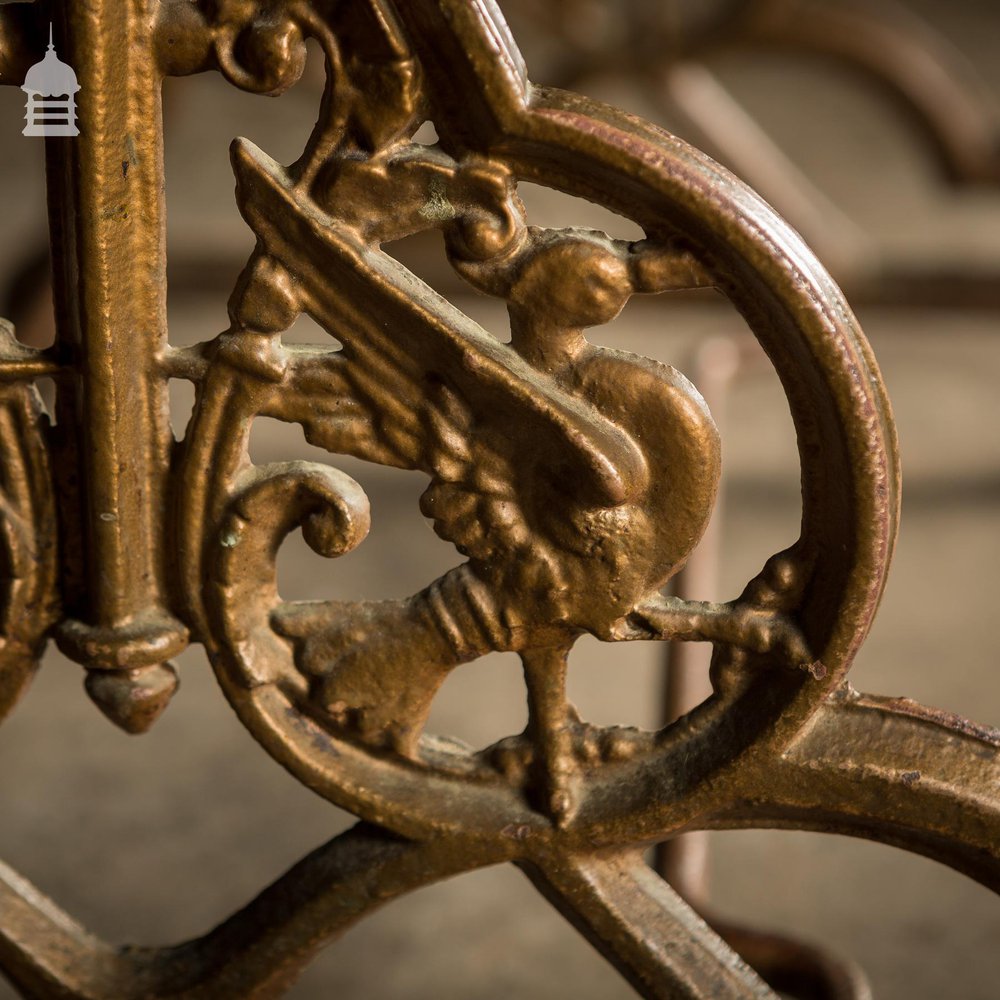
{"x": 575, "y": 479}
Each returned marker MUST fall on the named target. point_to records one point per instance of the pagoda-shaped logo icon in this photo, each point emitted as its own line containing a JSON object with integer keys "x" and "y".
{"x": 51, "y": 88}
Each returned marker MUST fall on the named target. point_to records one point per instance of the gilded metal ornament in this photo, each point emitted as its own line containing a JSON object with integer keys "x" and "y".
{"x": 574, "y": 479}
{"x": 671, "y": 50}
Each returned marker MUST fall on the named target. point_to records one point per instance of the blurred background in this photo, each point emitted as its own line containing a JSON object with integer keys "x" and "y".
{"x": 156, "y": 838}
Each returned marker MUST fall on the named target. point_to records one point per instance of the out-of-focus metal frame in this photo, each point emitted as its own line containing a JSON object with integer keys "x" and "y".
{"x": 671, "y": 49}
{"x": 575, "y": 481}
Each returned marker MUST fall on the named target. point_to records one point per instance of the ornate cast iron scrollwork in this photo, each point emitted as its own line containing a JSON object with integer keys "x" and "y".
{"x": 670, "y": 52}
{"x": 574, "y": 479}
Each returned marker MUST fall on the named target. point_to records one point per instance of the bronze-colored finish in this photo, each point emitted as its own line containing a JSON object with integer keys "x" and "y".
{"x": 884, "y": 39}
{"x": 106, "y": 197}
{"x": 575, "y": 479}
{"x": 669, "y": 49}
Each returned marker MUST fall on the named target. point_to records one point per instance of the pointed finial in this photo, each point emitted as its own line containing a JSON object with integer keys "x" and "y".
{"x": 133, "y": 699}
{"x": 52, "y": 47}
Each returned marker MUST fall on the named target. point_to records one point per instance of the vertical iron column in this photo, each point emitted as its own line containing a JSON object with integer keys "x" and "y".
{"x": 107, "y": 212}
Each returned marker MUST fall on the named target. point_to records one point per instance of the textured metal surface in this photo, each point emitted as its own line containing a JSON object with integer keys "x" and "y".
{"x": 671, "y": 50}
{"x": 574, "y": 479}
{"x": 902, "y": 53}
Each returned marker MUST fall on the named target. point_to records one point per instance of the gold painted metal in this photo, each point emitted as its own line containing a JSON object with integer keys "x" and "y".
{"x": 670, "y": 51}
{"x": 106, "y": 211}
{"x": 574, "y": 479}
